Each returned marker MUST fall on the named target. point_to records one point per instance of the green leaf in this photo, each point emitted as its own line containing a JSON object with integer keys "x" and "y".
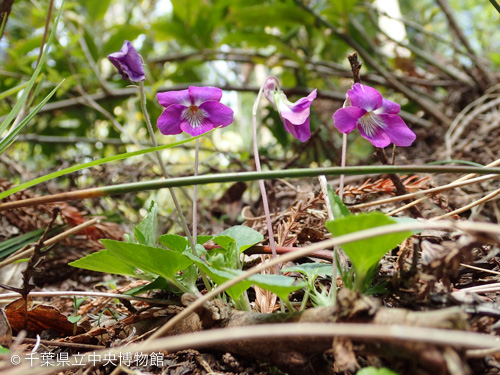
{"x": 158, "y": 283}
{"x": 74, "y": 319}
{"x": 104, "y": 261}
{"x": 200, "y": 240}
{"x": 162, "y": 262}
{"x": 245, "y": 237}
{"x": 76, "y": 168}
{"x": 280, "y": 285}
{"x": 376, "y": 371}
{"x": 365, "y": 254}
{"x": 174, "y": 242}
{"x": 13, "y": 244}
{"x": 227, "y": 257}
{"x": 339, "y": 209}
{"x": 145, "y": 232}
{"x": 221, "y": 276}
{"x": 4, "y": 350}
{"x": 311, "y": 270}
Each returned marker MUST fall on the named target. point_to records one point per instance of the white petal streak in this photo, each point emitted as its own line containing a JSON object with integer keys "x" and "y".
{"x": 371, "y": 124}
{"x": 194, "y": 116}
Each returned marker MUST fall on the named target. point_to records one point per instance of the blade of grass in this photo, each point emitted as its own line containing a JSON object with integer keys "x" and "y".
{"x": 13, "y": 244}
{"x": 455, "y": 161}
{"x": 6, "y": 142}
{"x": 19, "y": 104}
{"x": 13, "y": 90}
{"x": 93, "y": 163}
{"x": 240, "y": 176}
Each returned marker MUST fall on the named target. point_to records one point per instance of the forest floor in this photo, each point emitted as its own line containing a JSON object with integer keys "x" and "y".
{"x": 425, "y": 282}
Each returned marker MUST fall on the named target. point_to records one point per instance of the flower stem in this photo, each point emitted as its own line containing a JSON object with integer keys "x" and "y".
{"x": 164, "y": 169}
{"x": 342, "y": 164}
{"x": 195, "y": 191}
{"x": 265, "y": 203}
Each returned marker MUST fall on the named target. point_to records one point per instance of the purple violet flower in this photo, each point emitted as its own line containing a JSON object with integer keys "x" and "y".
{"x": 376, "y": 118}
{"x": 129, "y": 63}
{"x": 194, "y": 111}
{"x": 295, "y": 116}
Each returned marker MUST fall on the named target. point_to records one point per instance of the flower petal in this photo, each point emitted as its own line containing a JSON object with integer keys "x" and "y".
{"x": 365, "y": 97}
{"x": 378, "y": 137}
{"x": 205, "y": 126}
{"x": 397, "y": 130}
{"x": 388, "y": 107}
{"x": 270, "y": 86}
{"x": 346, "y": 119}
{"x": 218, "y": 113}
{"x": 199, "y": 95}
{"x": 170, "y": 120}
{"x": 296, "y": 113}
{"x": 302, "y": 132}
{"x": 174, "y": 97}
{"x": 128, "y": 62}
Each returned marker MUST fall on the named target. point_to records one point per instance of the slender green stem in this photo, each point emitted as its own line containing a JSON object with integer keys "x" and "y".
{"x": 4, "y": 22}
{"x": 336, "y": 251}
{"x": 342, "y": 164}
{"x": 242, "y": 176}
{"x": 164, "y": 169}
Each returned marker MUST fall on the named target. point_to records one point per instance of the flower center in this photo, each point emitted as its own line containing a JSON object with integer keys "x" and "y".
{"x": 194, "y": 115}
{"x": 371, "y": 123}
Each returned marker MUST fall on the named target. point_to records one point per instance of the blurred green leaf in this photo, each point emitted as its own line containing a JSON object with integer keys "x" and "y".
{"x": 96, "y": 9}
{"x": 277, "y": 14}
{"x": 119, "y": 34}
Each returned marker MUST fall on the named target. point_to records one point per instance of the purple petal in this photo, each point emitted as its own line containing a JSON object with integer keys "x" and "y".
{"x": 218, "y": 113}
{"x": 270, "y": 86}
{"x": 365, "y": 97}
{"x": 398, "y": 131}
{"x": 199, "y": 95}
{"x": 378, "y": 138}
{"x": 298, "y": 112}
{"x": 174, "y": 97}
{"x": 388, "y": 107}
{"x": 170, "y": 120}
{"x": 346, "y": 119}
{"x": 128, "y": 62}
{"x": 205, "y": 126}
{"x": 302, "y": 132}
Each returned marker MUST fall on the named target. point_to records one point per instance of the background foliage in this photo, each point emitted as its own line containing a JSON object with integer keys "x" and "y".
{"x": 433, "y": 73}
